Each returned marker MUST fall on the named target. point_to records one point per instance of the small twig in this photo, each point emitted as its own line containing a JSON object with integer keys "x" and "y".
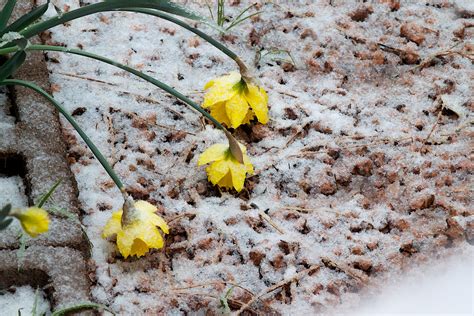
{"x": 181, "y": 216}
{"x": 434, "y": 125}
{"x": 270, "y": 221}
{"x": 214, "y": 283}
{"x": 86, "y": 78}
{"x": 354, "y": 273}
{"x": 294, "y": 278}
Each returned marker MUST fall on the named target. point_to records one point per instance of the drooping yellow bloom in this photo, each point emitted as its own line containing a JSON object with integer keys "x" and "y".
{"x": 141, "y": 234}
{"x": 224, "y": 170}
{"x": 233, "y": 101}
{"x": 34, "y": 220}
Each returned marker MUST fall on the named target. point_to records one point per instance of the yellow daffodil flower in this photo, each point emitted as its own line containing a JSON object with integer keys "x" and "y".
{"x": 234, "y": 102}
{"x": 140, "y": 233}
{"x": 225, "y": 170}
{"x": 34, "y": 220}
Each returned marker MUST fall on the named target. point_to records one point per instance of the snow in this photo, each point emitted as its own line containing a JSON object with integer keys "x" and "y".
{"x": 444, "y": 288}
{"x": 12, "y": 190}
{"x": 348, "y": 111}
{"x": 22, "y": 300}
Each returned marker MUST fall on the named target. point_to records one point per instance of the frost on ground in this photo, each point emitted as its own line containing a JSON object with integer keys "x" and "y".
{"x": 363, "y": 170}
{"x": 24, "y": 300}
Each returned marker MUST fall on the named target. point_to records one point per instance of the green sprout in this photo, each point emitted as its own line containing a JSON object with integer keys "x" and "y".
{"x": 221, "y": 18}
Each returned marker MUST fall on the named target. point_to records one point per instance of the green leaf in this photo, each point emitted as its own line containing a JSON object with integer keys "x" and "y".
{"x": 5, "y": 211}
{"x": 48, "y": 194}
{"x": 6, "y": 13}
{"x": 12, "y": 64}
{"x": 5, "y": 223}
{"x": 27, "y": 19}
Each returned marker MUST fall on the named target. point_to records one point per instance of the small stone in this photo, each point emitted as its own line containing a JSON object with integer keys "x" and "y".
{"x": 401, "y": 224}
{"x": 356, "y": 250}
{"x": 422, "y": 202}
{"x": 372, "y": 245}
{"x": 256, "y": 257}
{"x": 454, "y": 230}
{"x": 327, "y": 187}
{"x": 470, "y": 232}
{"x": 361, "y": 13}
{"x": 363, "y": 264}
{"x": 413, "y": 32}
{"x": 363, "y": 168}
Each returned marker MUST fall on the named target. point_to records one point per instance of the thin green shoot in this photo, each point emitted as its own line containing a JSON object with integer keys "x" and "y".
{"x": 224, "y": 301}
{"x": 221, "y": 18}
{"x": 20, "y": 253}
{"x": 35, "y": 304}
{"x": 276, "y": 55}
{"x": 45, "y": 197}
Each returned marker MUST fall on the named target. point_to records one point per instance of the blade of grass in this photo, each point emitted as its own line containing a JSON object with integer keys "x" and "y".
{"x": 235, "y": 23}
{"x": 12, "y": 64}
{"x": 26, "y": 19}
{"x": 6, "y": 13}
{"x": 48, "y": 194}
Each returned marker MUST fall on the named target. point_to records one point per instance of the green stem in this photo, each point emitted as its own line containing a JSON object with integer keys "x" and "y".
{"x": 137, "y": 73}
{"x": 71, "y": 120}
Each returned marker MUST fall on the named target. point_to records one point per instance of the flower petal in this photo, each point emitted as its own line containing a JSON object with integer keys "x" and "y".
{"x": 226, "y": 181}
{"x": 219, "y": 113}
{"x": 34, "y": 221}
{"x": 114, "y": 225}
{"x": 258, "y": 100}
{"x": 214, "y": 153}
{"x": 145, "y": 206}
{"x": 237, "y": 109}
{"x": 217, "y": 170}
{"x": 221, "y": 89}
{"x": 238, "y": 171}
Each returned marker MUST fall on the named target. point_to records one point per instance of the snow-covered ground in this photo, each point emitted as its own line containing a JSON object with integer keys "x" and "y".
{"x": 352, "y": 168}
{"x": 24, "y": 300}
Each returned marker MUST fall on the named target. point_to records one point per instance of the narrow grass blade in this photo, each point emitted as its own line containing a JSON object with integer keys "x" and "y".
{"x": 6, "y": 13}
{"x": 26, "y": 20}
{"x": 5, "y": 211}
{"x": 48, "y": 194}
{"x": 5, "y": 223}
{"x": 12, "y": 64}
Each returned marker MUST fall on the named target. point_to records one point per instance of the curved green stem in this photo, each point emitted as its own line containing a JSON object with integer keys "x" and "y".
{"x": 93, "y": 148}
{"x": 137, "y": 73}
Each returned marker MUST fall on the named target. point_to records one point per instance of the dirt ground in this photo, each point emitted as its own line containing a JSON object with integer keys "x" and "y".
{"x": 363, "y": 172}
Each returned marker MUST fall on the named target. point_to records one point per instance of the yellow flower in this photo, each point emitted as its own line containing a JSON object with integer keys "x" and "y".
{"x": 140, "y": 234}
{"x": 34, "y": 220}
{"x": 233, "y": 101}
{"x": 225, "y": 170}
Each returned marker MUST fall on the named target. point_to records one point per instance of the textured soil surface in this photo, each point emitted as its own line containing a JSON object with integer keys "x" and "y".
{"x": 363, "y": 171}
